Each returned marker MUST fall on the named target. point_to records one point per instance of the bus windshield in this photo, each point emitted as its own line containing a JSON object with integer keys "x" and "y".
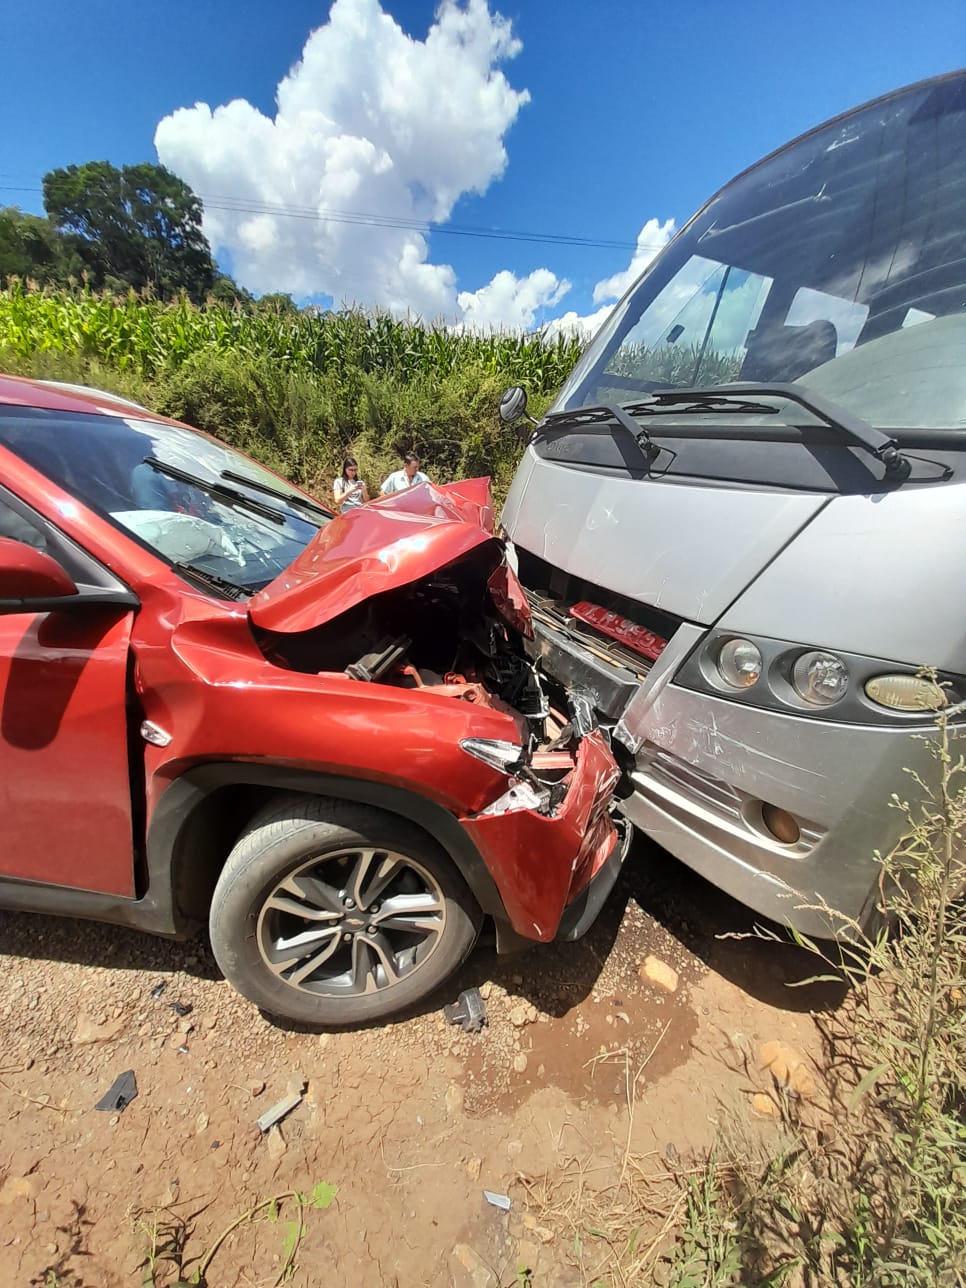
{"x": 838, "y": 263}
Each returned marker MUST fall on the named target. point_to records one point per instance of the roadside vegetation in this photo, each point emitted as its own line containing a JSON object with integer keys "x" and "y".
{"x": 856, "y": 1177}
{"x": 296, "y": 389}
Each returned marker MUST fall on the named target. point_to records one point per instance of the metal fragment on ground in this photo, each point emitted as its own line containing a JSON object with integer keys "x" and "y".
{"x": 279, "y": 1110}
{"x": 501, "y": 1201}
{"x": 119, "y": 1095}
{"x": 468, "y": 1011}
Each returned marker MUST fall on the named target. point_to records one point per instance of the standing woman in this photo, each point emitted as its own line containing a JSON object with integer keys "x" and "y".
{"x": 349, "y": 490}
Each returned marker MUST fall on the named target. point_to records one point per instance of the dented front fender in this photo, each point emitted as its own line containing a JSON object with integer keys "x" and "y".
{"x": 542, "y": 861}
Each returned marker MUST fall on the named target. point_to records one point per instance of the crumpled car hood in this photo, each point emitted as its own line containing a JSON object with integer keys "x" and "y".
{"x": 389, "y": 543}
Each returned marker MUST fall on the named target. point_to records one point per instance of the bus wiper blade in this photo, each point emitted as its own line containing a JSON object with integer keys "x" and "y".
{"x": 290, "y": 498}
{"x": 664, "y": 402}
{"x": 734, "y": 398}
{"x": 605, "y": 414}
{"x": 217, "y": 491}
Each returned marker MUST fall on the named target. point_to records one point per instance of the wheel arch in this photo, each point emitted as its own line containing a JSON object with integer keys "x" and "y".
{"x": 204, "y": 811}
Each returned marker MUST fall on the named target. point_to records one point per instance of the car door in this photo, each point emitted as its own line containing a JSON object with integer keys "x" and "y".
{"x": 66, "y": 813}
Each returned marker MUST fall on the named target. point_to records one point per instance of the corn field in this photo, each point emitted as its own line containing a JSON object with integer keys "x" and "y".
{"x": 296, "y": 390}
{"x": 148, "y": 337}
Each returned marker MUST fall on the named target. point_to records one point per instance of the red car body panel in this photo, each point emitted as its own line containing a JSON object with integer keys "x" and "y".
{"x": 389, "y": 543}
{"x": 65, "y": 782}
{"x": 572, "y": 844}
{"x": 204, "y": 680}
{"x": 81, "y": 789}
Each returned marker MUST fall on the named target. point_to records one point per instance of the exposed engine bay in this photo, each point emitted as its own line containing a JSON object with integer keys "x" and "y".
{"x": 456, "y": 634}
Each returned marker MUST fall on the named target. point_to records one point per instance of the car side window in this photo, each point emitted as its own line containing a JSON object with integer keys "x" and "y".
{"x": 15, "y": 525}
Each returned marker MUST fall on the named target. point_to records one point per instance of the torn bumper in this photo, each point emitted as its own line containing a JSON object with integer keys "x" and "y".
{"x": 543, "y": 862}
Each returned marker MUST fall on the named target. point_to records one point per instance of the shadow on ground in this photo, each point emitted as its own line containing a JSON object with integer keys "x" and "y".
{"x": 555, "y": 977}
{"x": 703, "y": 920}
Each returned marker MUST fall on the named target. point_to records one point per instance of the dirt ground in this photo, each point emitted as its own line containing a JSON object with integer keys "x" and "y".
{"x": 410, "y": 1122}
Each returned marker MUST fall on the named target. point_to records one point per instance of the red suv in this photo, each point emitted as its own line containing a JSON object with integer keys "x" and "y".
{"x": 323, "y": 735}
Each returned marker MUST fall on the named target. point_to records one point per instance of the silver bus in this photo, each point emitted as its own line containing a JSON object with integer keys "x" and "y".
{"x": 742, "y": 524}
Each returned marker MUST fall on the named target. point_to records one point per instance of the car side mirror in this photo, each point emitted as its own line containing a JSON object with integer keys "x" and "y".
{"x": 28, "y": 575}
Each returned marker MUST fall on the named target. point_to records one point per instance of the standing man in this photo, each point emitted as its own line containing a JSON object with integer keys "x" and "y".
{"x": 408, "y": 476}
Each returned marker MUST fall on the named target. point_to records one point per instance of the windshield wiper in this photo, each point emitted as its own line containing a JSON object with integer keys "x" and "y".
{"x": 217, "y": 491}
{"x": 605, "y": 414}
{"x": 734, "y": 398}
{"x": 211, "y": 581}
{"x": 290, "y": 498}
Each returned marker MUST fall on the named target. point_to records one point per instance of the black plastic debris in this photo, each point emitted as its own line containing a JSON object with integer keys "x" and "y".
{"x": 122, "y": 1091}
{"x": 468, "y": 1011}
{"x": 181, "y": 1008}
{"x": 159, "y": 989}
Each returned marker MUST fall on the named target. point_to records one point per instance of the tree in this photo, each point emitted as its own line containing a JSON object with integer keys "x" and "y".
{"x": 227, "y": 291}
{"x": 140, "y": 224}
{"x": 31, "y": 247}
{"x": 277, "y": 302}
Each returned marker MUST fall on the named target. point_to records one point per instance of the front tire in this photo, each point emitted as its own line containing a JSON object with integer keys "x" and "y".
{"x": 329, "y": 913}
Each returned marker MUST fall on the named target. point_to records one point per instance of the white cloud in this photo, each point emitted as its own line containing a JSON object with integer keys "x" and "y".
{"x": 585, "y": 325}
{"x": 511, "y": 302}
{"x": 369, "y": 120}
{"x": 652, "y": 238}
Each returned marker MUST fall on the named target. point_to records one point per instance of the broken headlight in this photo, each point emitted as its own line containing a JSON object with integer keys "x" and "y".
{"x": 504, "y": 756}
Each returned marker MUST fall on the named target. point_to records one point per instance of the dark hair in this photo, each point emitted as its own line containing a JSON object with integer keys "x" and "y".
{"x": 409, "y": 458}
{"x": 348, "y": 463}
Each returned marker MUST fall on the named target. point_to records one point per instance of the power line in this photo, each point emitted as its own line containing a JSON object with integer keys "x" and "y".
{"x": 359, "y": 218}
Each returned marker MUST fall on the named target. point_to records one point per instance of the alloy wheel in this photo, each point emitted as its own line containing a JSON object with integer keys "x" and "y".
{"x": 351, "y": 922}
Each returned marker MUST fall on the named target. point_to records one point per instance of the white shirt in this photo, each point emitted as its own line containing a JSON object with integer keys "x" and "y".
{"x": 399, "y": 481}
{"x": 342, "y": 486}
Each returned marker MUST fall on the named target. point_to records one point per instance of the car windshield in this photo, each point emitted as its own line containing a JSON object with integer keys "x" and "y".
{"x": 838, "y": 264}
{"x": 167, "y": 486}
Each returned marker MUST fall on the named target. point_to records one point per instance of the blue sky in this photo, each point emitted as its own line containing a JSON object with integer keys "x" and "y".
{"x": 636, "y": 112}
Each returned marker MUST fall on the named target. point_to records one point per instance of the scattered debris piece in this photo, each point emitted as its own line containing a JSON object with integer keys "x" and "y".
{"x": 181, "y": 1008}
{"x": 256, "y": 1086}
{"x": 280, "y": 1109}
{"x": 473, "y": 1167}
{"x": 501, "y": 1201}
{"x": 520, "y": 1063}
{"x": 119, "y": 1095}
{"x": 655, "y": 971}
{"x": 159, "y": 989}
{"x": 201, "y": 1124}
{"x": 468, "y": 1011}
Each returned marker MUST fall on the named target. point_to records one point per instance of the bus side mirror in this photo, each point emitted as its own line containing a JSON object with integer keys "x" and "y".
{"x": 513, "y": 406}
